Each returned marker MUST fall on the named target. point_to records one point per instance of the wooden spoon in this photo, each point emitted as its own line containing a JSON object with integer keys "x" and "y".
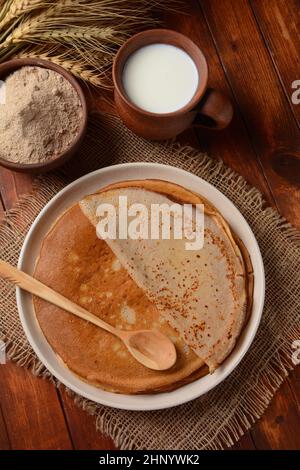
{"x": 151, "y": 348}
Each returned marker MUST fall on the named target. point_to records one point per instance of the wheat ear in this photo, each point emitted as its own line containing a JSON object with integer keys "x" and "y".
{"x": 75, "y": 68}
{"x": 19, "y": 8}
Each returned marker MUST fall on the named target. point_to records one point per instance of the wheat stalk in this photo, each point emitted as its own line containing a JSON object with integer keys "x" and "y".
{"x": 100, "y": 37}
{"x": 85, "y": 11}
{"x": 80, "y": 35}
{"x": 4, "y": 7}
{"x": 42, "y": 23}
{"x": 20, "y": 7}
{"x": 75, "y": 68}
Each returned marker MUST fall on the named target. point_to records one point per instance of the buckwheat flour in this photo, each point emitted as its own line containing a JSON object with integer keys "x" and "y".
{"x": 40, "y": 117}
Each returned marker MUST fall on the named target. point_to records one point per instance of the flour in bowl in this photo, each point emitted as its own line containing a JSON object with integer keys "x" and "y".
{"x": 40, "y": 116}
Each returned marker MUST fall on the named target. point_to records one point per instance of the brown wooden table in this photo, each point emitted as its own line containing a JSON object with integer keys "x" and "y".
{"x": 253, "y": 48}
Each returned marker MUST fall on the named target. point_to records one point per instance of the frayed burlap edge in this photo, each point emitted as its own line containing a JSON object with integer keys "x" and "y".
{"x": 274, "y": 370}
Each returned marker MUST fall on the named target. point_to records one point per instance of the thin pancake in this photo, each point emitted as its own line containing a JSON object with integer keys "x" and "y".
{"x": 74, "y": 262}
{"x": 203, "y": 293}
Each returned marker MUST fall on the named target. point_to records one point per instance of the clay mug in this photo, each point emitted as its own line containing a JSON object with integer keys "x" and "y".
{"x": 208, "y": 108}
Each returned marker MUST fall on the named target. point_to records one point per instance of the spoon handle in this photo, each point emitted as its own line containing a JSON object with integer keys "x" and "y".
{"x": 39, "y": 289}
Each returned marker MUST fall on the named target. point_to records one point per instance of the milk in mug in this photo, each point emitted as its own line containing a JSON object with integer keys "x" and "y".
{"x": 160, "y": 78}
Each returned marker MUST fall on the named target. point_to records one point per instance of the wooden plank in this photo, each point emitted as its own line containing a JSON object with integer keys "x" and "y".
{"x": 7, "y": 188}
{"x": 294, "y": 383}
{"x": 13, "y": 185}
{"x": 232, "y": 39}
{"x": 2, "y": 212}
{"x": 258, "y": 92}
{"x": 82, "y": 427}
{"x": 245, "y": 443}
{"x": 279, "y": 426}
{"x": 31, "y": 411}
{"x": 232, "y": 145}
{"x": 4, "y": 439}
{"x": 23, "y": 183}
{"x": 279, "y": 23}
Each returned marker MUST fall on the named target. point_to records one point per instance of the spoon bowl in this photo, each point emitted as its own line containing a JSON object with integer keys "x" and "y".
{"x": 153, "y": 349}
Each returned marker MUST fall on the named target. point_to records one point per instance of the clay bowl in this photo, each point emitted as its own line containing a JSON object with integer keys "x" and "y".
{"x": 10, "y": 66}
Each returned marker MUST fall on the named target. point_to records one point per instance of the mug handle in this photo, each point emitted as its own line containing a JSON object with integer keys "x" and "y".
{"x": 214, "y": 111}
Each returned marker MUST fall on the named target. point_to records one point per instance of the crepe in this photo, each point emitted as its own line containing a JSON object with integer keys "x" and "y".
{"x": 74, "y": 262}
{"x": 202, "y": 294}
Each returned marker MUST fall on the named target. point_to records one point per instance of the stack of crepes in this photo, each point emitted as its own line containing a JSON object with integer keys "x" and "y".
{"x": 201, "y": 299}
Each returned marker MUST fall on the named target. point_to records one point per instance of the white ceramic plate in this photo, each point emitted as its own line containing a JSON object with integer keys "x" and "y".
{"x": 87, "y": 185}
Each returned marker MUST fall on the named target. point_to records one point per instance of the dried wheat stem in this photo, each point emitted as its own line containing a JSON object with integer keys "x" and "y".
{"x": 75, "y": 68}
{"x": 19, "y": 8}
{"x": 99, "y": 37}
{"x": 4, "y": 7}
{"x": 40, "y": 25}
{"x": 80, "y": 35}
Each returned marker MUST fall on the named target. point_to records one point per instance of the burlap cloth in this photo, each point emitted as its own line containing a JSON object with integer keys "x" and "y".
{"x": 219, "y": 418}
